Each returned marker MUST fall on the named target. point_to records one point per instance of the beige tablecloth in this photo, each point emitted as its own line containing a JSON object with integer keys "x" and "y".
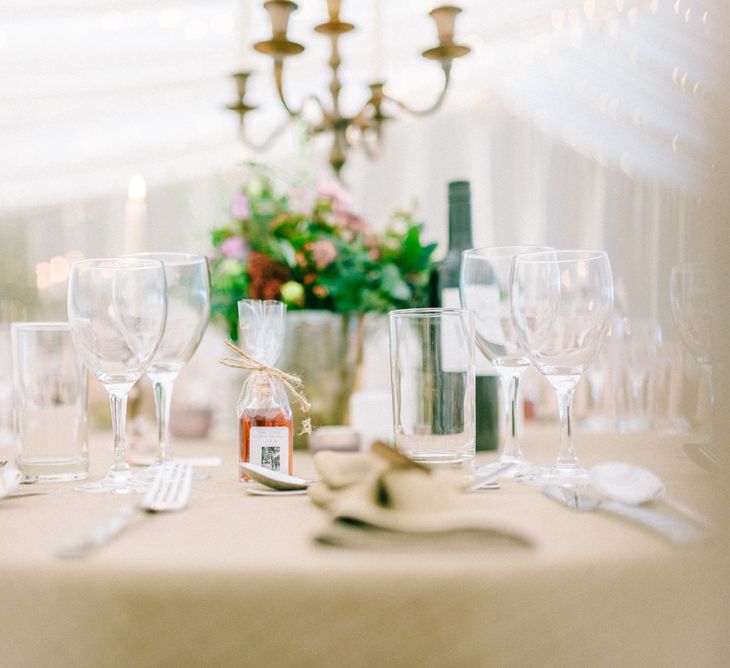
{"x": 237, "y": 580}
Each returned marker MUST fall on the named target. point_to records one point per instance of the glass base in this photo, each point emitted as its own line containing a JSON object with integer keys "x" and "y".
{"x": 53, "y": 469}
{"x": 115, "y": 484}
{"x": 554, "y": 475}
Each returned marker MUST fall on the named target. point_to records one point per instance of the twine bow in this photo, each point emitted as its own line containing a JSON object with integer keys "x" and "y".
{"x": 293, "y": 384}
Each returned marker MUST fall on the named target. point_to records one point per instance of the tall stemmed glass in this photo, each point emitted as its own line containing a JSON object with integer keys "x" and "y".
{"x": 562, "y": 303}
{"x": 484, "y": 288}
{"x": 188, "y": 312}
{"x": 691, "y": 308}
{"x": 116, "y": 311}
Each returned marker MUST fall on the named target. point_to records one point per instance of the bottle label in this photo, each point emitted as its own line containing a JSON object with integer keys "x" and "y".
{"x": 270, "y": 447}
{"x": 450, "y": 298}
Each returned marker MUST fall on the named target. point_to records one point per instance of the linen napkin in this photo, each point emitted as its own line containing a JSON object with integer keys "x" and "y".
{"x": 381, "y": 498}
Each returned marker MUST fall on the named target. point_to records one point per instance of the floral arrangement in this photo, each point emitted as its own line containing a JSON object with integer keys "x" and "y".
{"x": 309, "y": 249}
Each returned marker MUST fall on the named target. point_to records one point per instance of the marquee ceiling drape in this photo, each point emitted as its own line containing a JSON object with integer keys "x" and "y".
{"x": 94, "y": 92}
{"x": 579, "y": 122}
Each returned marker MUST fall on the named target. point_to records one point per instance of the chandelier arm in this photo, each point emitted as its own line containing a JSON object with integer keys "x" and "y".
{"x": 273, "y": 136}
{"x": 365, "y": 128}
{"x": 320, "y": 104}
{"x": 365, "y": 145}
{"x": 439, "y": 100}
{"x": 279, "y": 79}
{"x": 360, "y": 119}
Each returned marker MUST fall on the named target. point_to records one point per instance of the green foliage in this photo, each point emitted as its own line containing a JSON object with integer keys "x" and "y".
{"x": 341, "y": 263}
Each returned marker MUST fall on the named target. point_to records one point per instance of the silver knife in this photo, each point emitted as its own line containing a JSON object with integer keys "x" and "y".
{"x": 490, "y": 476}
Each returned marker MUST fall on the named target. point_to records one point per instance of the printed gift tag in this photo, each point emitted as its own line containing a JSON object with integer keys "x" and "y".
{"x": 270, "y": 447}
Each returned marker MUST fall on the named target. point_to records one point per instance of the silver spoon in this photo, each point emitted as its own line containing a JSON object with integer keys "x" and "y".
{"x": 255, "y": 490}
{"x": 274, "y": 479}
{"x": 10, "y": 479}
{"x": 635, "y": 485}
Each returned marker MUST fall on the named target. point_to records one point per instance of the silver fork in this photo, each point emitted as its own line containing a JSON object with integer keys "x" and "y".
{"x": 170, "y": 491}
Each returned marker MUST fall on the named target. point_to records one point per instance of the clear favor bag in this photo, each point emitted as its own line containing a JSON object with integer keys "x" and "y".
{"x": 265, "y": 426}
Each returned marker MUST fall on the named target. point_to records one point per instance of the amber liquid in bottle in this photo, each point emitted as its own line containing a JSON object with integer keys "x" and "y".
{"x": 254, "y": 418}
{"x": 264, "y": 412}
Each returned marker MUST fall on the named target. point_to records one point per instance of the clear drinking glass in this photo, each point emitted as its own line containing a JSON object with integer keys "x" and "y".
{"x": 562, "y": 303}
{"x": 484, "y": 289}
{"x": 49, "y": 399}
{"x": 116, "y": 311}
{"x": 432, "y": 370}
{"x": 690, "y": 295}
{"x": 692, "y": 311}
{"x": 188, "y": 313}
{"x": 638, "y": 340}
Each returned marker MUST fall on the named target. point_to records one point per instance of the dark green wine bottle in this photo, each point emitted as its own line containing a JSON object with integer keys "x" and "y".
{"x": 445, "y": 292}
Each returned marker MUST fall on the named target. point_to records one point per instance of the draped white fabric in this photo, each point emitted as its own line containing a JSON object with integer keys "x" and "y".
{"x": 95, "y": 92}
{"x": 578, "y": 123}
{"x": 530, "y": 188}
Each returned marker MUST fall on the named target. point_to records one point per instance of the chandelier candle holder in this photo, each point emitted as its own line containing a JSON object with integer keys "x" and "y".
{"x": 364, "y": 128}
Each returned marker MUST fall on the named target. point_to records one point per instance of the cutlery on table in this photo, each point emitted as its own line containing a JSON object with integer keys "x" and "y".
{"x": 675, "y": 530}
{"x": 255, "y": 490}
{"x": 635, "y": 485}
{"x": 10, "y": 479}
{"x": 489, "y": 479}
{"x": 274, "y": 479}
{"x": 170, "y": 491}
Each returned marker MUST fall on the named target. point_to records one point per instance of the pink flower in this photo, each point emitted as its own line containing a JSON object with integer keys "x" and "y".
{"x": 355, "y": 222}
{"x": 240, "y": 208}
{"x": 302, "y": 198}
{"x": 323, "y": 252}
{"x": 340, "y": 198}
{"x": 233, "y": 248}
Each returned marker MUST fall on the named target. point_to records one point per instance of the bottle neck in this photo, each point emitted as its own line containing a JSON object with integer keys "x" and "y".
{"x": 460, "y": 223}
{"x": 263, "y": 390}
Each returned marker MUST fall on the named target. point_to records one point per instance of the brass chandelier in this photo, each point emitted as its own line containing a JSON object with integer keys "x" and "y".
{"x": 364, "y": 128}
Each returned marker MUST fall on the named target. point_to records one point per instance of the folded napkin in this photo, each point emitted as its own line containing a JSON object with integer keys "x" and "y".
{"x": 380, "y": 497}
{"x": 10, "y": 479}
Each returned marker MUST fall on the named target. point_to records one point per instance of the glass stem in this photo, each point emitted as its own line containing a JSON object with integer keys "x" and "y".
{"x": 163, "y": 401}
{"x": 567, "y": 457}
{"x": 120, "y": 467}
{"x": 510, "y": 389}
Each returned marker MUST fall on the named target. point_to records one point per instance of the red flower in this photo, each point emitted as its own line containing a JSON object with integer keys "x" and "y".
{"x": 265, "y": 276}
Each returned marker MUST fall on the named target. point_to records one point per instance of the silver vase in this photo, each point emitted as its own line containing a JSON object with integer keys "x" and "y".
{"x": 326, "y": 350}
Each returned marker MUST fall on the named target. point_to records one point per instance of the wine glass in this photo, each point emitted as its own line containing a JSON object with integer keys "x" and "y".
{"x": 690, "y": 296}
{"x": 484, "y": 289}
{"x": 690, "y": 293}
{"x": 116, "y": 311}
{"x": 562, "y": 303}
{"x": 188, "y": 312}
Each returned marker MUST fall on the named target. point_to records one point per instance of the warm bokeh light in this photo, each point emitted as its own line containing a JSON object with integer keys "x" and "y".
{"x": 137, "y": 187}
